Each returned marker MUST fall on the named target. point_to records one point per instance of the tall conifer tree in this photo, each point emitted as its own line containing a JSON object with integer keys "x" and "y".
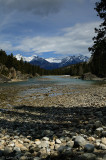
{"x": 98, "y": 50}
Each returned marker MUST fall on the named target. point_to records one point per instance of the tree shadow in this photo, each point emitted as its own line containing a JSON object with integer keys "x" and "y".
{"x": 35, "y": 122}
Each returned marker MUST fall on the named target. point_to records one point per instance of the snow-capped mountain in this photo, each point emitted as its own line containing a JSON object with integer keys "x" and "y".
{"x": 54, "y": 60}
{"x": 73, "y": 60}
{"x": 53, "y": 63}
{"x": 27, "y": 59}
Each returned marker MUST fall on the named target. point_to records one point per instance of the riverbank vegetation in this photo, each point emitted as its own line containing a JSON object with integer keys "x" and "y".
{"x": 9, "y": 61}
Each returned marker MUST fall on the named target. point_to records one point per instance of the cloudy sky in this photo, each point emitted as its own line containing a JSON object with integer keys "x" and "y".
{"x": 48, "y": 28}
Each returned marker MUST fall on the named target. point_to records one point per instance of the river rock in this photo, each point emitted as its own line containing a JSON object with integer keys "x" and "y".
{"x": 104, "y": 133}
{"x": 103, "y": 140}
{"x": 79, "y": 141}
{"x": 102, "y": 146}
{"x": 98, "y": 131}
{"x": 58, "y": 141}
{"x": 37, "y": 141}
{"x": 24, "y": 158}
{"x": 44, "y": 144}
{"x": 88, "y": 76}
{"x": 45, "y": 138}
{"x": 37, "y": 158}
{"x": 70, "y": 143}
{"x": 98, "y": 124}
{"x": 104, "y": 157}
{"x": 89, "y": 147}
{"x": 88, "y": 156}
{"x": 7, "y": 150}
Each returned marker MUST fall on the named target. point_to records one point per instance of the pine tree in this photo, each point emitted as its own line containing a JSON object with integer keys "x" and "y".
{"x": 98, "y": 50}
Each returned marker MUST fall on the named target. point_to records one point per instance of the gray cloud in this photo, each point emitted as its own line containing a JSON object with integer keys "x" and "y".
{"x": 36, "y": 6}
{"x": 39, "y": 7}
{"x": 73, "y": 40}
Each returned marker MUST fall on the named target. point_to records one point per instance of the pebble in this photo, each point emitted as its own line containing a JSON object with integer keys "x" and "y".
{"x": 104, "y": 157}
{"x": 58, "y": 141}
{"x": 102, "y": 146}
{"x": 103, "y": 140}
{"x": 68, "y": 126}
{"x": 79, "y": 141}
{"x": 88, "y": 156}
{"x": 89, "y": 147}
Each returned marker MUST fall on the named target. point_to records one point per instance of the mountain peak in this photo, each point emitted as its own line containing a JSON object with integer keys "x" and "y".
{"x": 53, "y": 63}
{"x": 27, "y": 59}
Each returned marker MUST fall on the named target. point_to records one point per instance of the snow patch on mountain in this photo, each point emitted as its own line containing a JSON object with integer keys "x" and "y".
{"x": 53, "y": 60}
{"x": 53, "y": 63}
{"x": 27, "y": 59}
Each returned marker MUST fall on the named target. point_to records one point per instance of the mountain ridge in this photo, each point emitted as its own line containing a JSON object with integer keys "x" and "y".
{"x": 53, "y": 63}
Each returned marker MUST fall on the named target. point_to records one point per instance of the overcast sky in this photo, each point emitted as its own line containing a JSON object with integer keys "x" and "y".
{"x": 48, "y": 28}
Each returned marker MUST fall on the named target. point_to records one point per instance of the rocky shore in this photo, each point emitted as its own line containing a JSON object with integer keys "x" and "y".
{"x": 53, "y": 122}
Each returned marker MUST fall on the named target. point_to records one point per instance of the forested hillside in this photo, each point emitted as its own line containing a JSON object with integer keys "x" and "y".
{"x": 8, "y": 61}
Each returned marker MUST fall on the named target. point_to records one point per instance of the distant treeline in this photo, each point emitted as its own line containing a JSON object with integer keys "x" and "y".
{"x": 73, "y": 70}
{"x": 26, "y": 68}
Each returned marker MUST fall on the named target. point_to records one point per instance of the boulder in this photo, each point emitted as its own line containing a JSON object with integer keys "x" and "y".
{"x": 79, "y": 141}
{"x": 88, "y": 76}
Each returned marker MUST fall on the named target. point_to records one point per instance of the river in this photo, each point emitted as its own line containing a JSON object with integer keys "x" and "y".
{"x": 59, "y": 80}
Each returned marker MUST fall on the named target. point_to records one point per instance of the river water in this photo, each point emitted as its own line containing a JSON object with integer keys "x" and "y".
{"x": 40, "y": 88}
{"x": 59, "y": 80}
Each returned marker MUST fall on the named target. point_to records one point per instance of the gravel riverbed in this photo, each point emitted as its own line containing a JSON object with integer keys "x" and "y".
{"x": 53, "y": 122}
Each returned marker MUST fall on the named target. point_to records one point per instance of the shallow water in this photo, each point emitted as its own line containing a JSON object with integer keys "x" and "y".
{"x": 59, "y": 80}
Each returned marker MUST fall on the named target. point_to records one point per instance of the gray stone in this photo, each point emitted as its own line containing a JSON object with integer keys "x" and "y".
{"x": 103, "y": 140}
{"x": 104, "y": 133}
{"x": 17, "y": 149}
{"x": 79, "y": 141}
{"x": 102, "y": 146}
{"x": 16, "y": 137}
{"x": 88, "y": 156}
{"x": 7, "y": 150}
{"x": 70, "y": 143}
{"x": 45, "y": 138}
{"x": 99, "y": 131}
{"x": 97, "y": 144}
{"x": 24, "y": 158}
{"x": 61, "y": 148}
{"x": 89, "y": 147}
{"x": 98, "y": 124}
{"x": 64, "y": 150}
{"x": 88, "y": 76}
{"x": 44, "y": 144}
{"x": 104, "y": 157}
{"x": 58, "y": 141}
{"x": 37, "y": 158}
{"x": 47, "y": 132}
{"x": 56, "y": 146}
{"x": 68, "y": 151}
{"x": 2, "y": 158}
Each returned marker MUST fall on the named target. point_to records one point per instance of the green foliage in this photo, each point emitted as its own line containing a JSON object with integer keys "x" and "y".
{"x": 25, "y": 67}
{"x": 73, "y": 70}
{"x": 3, "y": 57}
{"x": 98, "y": 50}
